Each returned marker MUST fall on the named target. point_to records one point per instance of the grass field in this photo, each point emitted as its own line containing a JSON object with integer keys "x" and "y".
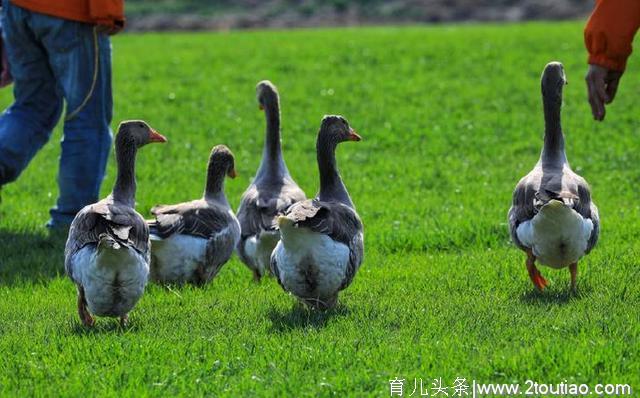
{"x": 451, "y": 119}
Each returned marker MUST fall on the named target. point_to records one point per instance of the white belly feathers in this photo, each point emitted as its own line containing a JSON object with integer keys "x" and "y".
{"x": 310, "y": 263}
{"x": 113, "y": 279}
{"x": 176, "y": 258}
{"x": 557, "y": 235}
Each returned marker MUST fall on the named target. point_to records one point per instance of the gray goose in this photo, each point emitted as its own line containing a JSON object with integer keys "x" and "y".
{"x": 321, "y": 240}
{"x": 552, "y": 217}
{"x": 107, "y": 251}
{"x": 271, "y": 192}
{"x": 191, "y": 241}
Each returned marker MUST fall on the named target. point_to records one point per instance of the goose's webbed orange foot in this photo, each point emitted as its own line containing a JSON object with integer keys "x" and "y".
{"x": 536, "y": 277}
{"x": 539, "y": 281}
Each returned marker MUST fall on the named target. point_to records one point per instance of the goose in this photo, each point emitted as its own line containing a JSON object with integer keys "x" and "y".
{"x": 270, "y": 193}
{"x": 552, "y": 217}
{"x": 191, "y": 241}
{"x": 107, "y": 250}
{"x": 321, "y": 242}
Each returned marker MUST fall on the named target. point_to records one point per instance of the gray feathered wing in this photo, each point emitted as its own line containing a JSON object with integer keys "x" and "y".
{"x": 588, "y": 209}
{"x": 522, "y": 208}
{"x": 196, "y": 218}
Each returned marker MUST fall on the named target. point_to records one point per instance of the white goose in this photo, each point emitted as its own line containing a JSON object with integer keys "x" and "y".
{"x": 107, "y": 251}
{"x": 321, "y": 245}
{"x": 271, "y": 192}
{"x": 552, "y": 217}
{"x": 191, "y": 241}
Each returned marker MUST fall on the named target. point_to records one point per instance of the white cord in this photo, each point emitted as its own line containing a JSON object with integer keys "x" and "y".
{"x": 96, "y": 60}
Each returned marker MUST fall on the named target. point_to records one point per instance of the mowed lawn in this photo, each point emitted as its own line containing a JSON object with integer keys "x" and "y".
{"x": 450, "y": 118}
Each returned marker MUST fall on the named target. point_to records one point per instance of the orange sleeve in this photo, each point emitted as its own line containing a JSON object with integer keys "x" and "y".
{"x": 610, "y": 31}
{"x": 109, "y": 13}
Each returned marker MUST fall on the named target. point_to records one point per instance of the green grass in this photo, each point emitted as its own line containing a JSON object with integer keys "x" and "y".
{"x": 451, "y": 119}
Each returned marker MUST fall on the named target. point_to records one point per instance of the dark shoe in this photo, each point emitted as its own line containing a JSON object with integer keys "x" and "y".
{"x": 58, "y": 225}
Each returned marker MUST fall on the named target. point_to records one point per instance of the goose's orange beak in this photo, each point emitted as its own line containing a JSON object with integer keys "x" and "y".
{"x": 353, "y": 136}
{"x": 154, "y": 136}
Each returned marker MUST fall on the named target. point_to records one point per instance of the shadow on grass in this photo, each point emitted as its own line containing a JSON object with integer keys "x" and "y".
{"x": 300, "y": 317}
{"x": 28, "y": 257}
{"x": 103, "y": 326}
{"x": 558, "y": 297}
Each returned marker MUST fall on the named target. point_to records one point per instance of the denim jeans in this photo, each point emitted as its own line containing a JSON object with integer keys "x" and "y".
{"x": 52, "y": 61}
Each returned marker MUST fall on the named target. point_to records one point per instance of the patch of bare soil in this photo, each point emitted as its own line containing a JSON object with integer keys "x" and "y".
{"x": 300, "y": 13}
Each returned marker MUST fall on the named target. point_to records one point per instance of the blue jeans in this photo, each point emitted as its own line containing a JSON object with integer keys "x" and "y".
{"x": 54, "y": 60}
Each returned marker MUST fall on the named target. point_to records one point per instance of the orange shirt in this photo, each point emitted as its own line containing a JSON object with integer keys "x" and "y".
{"x": 109, "y": 13}
{"x": 609, "y": 32}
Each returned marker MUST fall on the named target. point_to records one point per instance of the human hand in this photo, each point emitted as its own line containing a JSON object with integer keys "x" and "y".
{"x": 602, "y": 84}
{"x": 111, "y": 29}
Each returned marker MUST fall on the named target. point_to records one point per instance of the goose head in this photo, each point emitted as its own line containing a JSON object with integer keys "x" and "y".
{"x": 139, "y": 133}
{"x": 552, "y": 81}
{"x": 266, "y": 93}
{"x": 336, "y": 129}
{"x": 222, "y": 159}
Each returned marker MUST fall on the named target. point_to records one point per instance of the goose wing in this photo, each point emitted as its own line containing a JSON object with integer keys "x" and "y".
{"x": 522, "y": 204}
{"x": 587, "y": 209}
{"x": 196, "y": 218}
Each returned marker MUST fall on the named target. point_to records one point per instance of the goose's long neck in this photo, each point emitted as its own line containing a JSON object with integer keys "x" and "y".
{"x": 331, "y": 186}
{"x": 124, "y": 190}
{"x": 214, "y": 188}
{"x": 272, "y": 161}
{"x": 553, "y": 138}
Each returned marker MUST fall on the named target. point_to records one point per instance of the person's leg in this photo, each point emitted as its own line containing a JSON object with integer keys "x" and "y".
{"x": 27, "y": 124}
{"x": 81, "y": 60}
